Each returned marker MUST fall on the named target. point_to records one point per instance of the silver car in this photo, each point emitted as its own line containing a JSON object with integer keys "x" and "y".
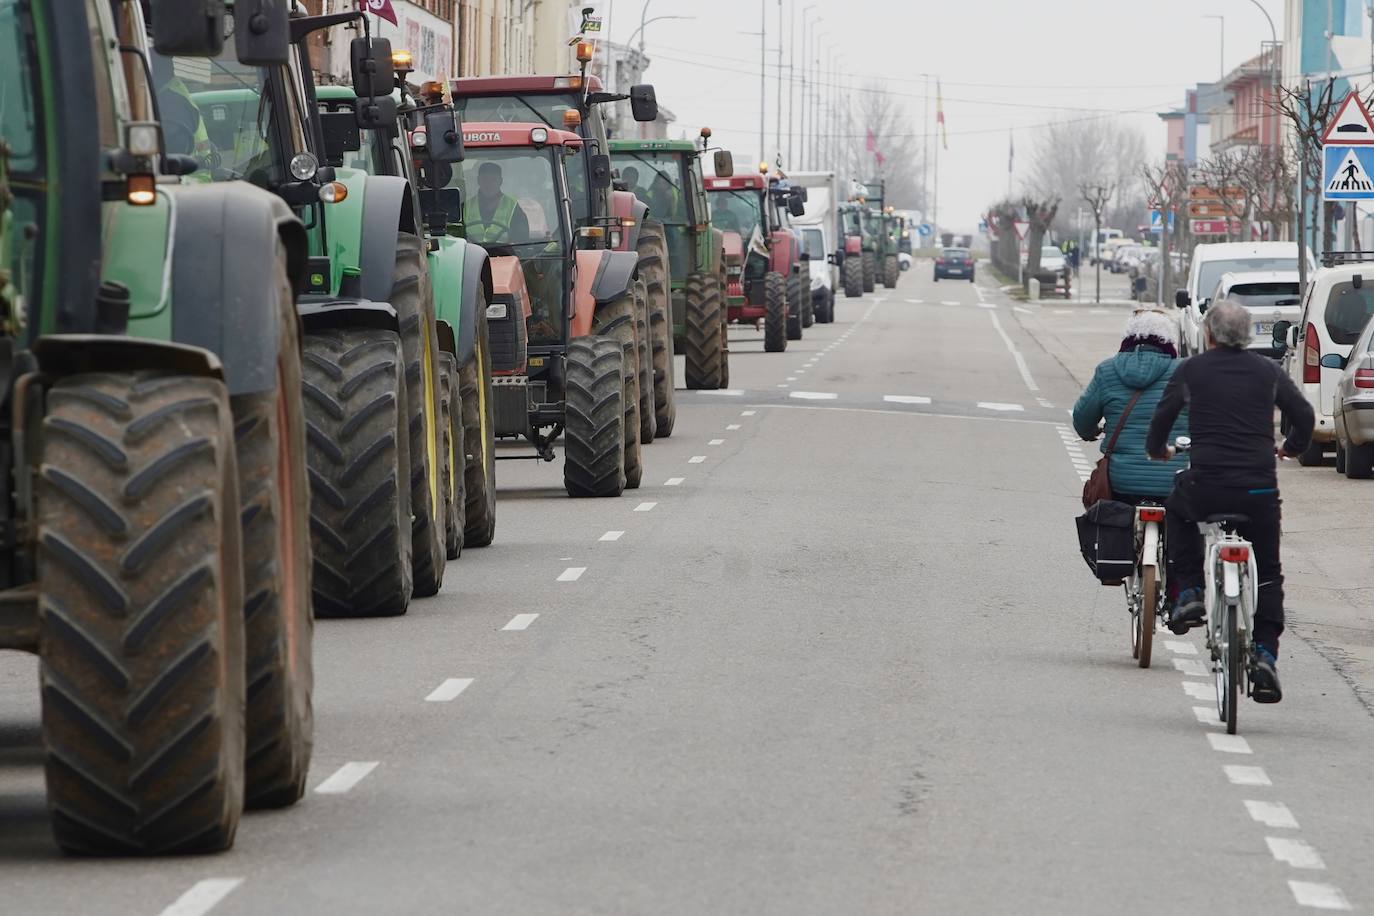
{"x": 1353, "y": 406}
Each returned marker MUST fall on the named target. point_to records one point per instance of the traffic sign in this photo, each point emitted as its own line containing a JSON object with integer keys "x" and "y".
{"x": 1351, "y": 126}
{"x": 1214, "y": 209}
{"x": 924, "y": 229}
{"x": 983, "y": 226}
{"x": 1202, "y": 192}
{"x": 1346, "y": 172}
{"x": 1021, "y": 226}
{"x": 1214, "y": 226}
{"x": 1157, "y": 223}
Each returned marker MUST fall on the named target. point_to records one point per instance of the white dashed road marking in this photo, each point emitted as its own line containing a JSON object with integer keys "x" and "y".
{"x": 521, "y": 622}
{"x": 791, "y": 378}
{"x": 1294, "y": 852}
{"x": 947, "y": 302}
{"x": 612, "y": 536}
{"x": 202, "y": 897}
{"x": 1191, "y": 667}
{"x": 1200, "y": 691}
{"x": 696, "y": 459}
{"x": 1318, "y": 896}
{"x": 571, "y": 574}
{"x": 645, "y": 507}
{"x": 748, "y": 413}
{"x": 1182, "y": 648}
{"x": 1207, "y": 715}
{"x": 726, "y": 392}
{"x": 1246, "y": 776}
{"x": 716, "y": 442}
{"x": 732, "y": 426}
{"x": 995, "y": 405}
{"x": 1229, "y": 744}
{"x": 905, "y": 399}
{"x": 346, "y": 777}
{"x": 449, "y": 690}
{"x": 674, "y": 481}
{"x": 1272, "y": 814}
{"x": 813, "y": 395}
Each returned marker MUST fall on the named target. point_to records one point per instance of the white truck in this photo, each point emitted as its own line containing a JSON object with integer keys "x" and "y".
{"x": 819, "y": 228}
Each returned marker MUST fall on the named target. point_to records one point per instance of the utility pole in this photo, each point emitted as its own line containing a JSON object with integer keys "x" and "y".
{"x": 925, "y": 147}
{"x": 1221, "y": 22}
{"x": 792, "y": 84}
{"x": 763, "y": 78}
{"x": 778, "y": 134}
{"x": 1096, "y": 197}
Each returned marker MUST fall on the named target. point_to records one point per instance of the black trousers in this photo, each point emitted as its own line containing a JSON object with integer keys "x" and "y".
{"x": 1195, "y": 499}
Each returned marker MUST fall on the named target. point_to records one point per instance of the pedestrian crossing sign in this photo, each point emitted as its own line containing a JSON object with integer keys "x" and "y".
{"x": 1346, "y": 172}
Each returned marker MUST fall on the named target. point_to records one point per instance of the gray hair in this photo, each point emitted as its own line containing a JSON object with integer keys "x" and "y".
{"x": 1229, "y": 324}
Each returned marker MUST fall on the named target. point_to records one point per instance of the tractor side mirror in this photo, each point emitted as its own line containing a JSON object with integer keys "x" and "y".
{"x": 795, "y": 206}
{"x": 724, "y": 163}
{"x": 376, "y": 113}
{"x": 600, "y": 165}
{"x": 373, "y": 74}
{"x": 1181, "y": 298}
{"x": 445, "y": 139}
{"x": 1280, "y": 335}
{"x": 805, "y": 195}
{"x": 643, "y": 102}
{"x": 262, "y": 36}
{"x": 341, "y": 134}
{"x": 179, "y": 31}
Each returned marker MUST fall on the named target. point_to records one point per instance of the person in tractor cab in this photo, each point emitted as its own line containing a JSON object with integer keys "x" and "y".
{"x": 664, "y": 201}
{"x": 630, "y": 175}
{"x": 183, "y": 128}
{"x": 492, "y": 216}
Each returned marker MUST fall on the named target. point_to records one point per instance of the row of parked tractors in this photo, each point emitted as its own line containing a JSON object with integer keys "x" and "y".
{"x": 260, "y": 338}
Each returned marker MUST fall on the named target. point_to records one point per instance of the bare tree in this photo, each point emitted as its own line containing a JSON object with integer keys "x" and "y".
{"x": 1224, "y": 173}
{"x": 1308, "y": 108}
{"x": 1065, "y": 154}
{"x": 1167, "y": 186}
{"x": 1040, "y": 215}
{"x": 883, "y": 114}
{"x": 1002, "y": 216}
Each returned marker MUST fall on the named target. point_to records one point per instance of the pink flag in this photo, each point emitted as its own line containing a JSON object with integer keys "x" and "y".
{"x": 381, "y": 9}
{"x": 872, "y": 144}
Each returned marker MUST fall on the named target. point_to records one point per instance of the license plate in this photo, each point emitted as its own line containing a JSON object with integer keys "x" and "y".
{"x": 1264, "y": 328}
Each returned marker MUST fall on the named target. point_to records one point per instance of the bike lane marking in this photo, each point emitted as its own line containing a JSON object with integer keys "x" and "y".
{"x": 1271, "y": 814}
{"x": 611, "y": 536}
{"x": 1246, "y": 776}
{"x": 674, "y": 481}
{"x": 571, "y": 574}
{"x": 1228, "y": 744}
{"x": 449, "y": 690}
{"x": 1182, "y": 648}
{"x": 645, "y": 507}
{"x": 1295, "y": 853}
{"x": 1191, "y": 667}
{"x": 1318, "y": 896}
{"x": 201, "y": 897}
{"x": 521, "y": 622}
{"x": 346, "y": 777}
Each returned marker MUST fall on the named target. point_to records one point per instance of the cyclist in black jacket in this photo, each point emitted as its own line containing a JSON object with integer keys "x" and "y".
{"x": 1230, "y": 394}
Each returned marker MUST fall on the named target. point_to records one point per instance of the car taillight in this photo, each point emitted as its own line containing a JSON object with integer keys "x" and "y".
{"x": 939, "y": 260}
{"x": 1151, "y": 514}
{"x": 1364, "y": 378}
{"x": 1311, "y": 356}
{"x": 1234, "y": 554}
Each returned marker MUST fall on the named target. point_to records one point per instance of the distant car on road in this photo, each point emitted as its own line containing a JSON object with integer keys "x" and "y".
{"x": 954, "y": 262}
{"x": 1208, "y": 263}
{"x": 1270, "y": 296}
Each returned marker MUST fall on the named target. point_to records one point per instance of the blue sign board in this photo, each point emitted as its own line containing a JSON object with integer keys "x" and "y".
{"x": 924, "y": 229}
{"x": 1156, "y": 224}
{"x": 1346, "y": 172}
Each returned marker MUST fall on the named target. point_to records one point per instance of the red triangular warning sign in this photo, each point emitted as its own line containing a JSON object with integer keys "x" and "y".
{"x": 1351, "y": 126}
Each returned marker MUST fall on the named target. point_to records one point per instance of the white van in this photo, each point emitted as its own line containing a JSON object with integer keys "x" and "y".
{"x": 1270, "y": 296}
{"x": 1208, "y": 263}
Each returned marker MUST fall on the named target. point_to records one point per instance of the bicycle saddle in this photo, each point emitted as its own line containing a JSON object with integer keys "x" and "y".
{"x": 1226, "y": 520}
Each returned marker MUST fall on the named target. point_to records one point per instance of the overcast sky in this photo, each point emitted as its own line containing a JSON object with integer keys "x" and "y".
{"x": 1003, "y": 64}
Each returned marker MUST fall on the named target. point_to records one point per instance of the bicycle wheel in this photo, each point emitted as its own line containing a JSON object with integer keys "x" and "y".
{"x": 1133, "y": 608}
{"x": 1235, "y": 667}
{"x": 1145, "y": 617}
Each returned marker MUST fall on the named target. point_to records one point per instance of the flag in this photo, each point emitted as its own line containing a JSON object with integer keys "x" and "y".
{"x": 940, "y": 115}
{"x": 872, "y": 144}
{"x": 382, "y": 9}
{"x": 879, "y": 158}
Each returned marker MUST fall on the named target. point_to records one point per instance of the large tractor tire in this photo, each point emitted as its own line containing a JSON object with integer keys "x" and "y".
{"x": 454, "y": 456}
{"x": 870, "y": 271}
{"x": 891, "y": 271}
{"x": 616, "y": 320}
{"x": 141, "y": 632}
{"x": 479, "y": 437}
{"x": 414, "y": 304}
{"x": 594, "y": 422}
{"x": 355, "y": 405}
{"x": 775, "y": 317}
{"x": 823, "y": 305}
{"x": 852, "y": 273}
{"x": 654, "y": 268}
{"x": 648, "y": 415}
{"x": 808, "y": 313}
{"x": 794, "y": 307}
{"x": 274, "y": 511}
{"x": 704, "y": 335}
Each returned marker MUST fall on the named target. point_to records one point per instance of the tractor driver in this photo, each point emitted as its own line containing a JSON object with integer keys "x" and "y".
{"x": 183, "y": 129}
{"x": 664, "y": 201}
{"x": 491, "y": 216}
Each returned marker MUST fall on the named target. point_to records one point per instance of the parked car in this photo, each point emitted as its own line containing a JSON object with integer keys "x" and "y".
{"x": 1209, "y": 262}
{"x": 1336, "y": 308}
{"x": 1052, "y": 259}
{"x": 1270, "y": 296}
{"x": 954, "y": 262}
{"x": 1352, "y": 407}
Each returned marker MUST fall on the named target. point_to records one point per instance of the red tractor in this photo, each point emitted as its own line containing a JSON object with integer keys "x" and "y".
{"x": 763, "y": 267}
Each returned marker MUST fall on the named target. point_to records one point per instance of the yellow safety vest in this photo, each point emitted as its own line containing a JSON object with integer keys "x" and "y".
{"x": 494, "y": 229}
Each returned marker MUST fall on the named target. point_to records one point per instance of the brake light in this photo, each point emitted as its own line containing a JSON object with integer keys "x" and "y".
{"x": 1151, "y": 514}
{"x": 1235, "y": 554}
{"x": 1311, "y": 356}
{"x": 939, "y": 260}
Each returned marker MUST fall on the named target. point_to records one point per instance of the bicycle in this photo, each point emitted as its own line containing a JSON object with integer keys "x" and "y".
{"x": 1145, "y": 589}
{"x": 1230, "y": 594}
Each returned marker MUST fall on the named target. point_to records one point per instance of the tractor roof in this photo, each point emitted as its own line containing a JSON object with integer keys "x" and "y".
{"x": 503, "y": 133}
{"x": 736, "y": 183}
{"x": 641, "y": 146}
{"x": 335, "y": 92}
{"x": 520, "y": 85}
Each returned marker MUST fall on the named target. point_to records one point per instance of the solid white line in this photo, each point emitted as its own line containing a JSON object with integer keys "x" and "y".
{"x": 1271, "y": 814}
{"x": 995, "y": 405}
{"x": 1191, "y": 667}
{"x": 1207, "y": 715}
{"x": 1246, "y": 776}
{"x": 612, "y": 536}
{"x": 732, "y": 426}
{"x": 571, "y": 574}
{"x": 813, "y": 395}
{"x": 696, "y": 459}
{"x": 645, "y": 507}
{"x": 346, "y": 777}
{"x": 202, "y": 896}
{"x": 449, "y": 689}
{"x": 1318, "y": 896}
{"x": 914, "y": 413}
{"x": 979, "y": 290}
{"x": 1229, "y": 744}
{"x": 521, "y": 622}
{"x": 905, "y": 399}
{"x": 726, "y": 392}
{"x": 674, "y": 481}
{"x": 1295, "y": 853}
{"x": 1182, "y": 648}
{"x": 716, "y": 442}
{"x": 1200, "y": 691}
{"x": 1016, "y": 355}
{"x": 748, "y": 413}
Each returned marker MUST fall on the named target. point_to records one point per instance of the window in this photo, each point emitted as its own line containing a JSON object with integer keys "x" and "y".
{"x": 735, "y": 211}
{"x": 1347, "y": 312}
{"x": 18, "y": 106}
{"x": 102, "y": 92}
{"x": 813, "y": 241}
{"x": 656, "y": 179}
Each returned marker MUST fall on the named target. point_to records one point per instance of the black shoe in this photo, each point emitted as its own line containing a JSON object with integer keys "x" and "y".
{"x": 1189, "y": 611}
{"x": 1264, "y": 677}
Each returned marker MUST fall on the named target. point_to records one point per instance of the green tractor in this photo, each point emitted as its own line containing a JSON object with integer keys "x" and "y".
{"x": 156, "y": 554}
{"x": 881, "y": 232}
{"x": 666, "y": 175}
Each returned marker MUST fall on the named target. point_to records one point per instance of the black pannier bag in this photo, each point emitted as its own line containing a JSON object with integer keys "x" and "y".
{"x": 1106, "y": 535}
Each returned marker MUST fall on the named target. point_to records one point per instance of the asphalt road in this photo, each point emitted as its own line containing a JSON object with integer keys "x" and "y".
{"x": 838, "y": 655}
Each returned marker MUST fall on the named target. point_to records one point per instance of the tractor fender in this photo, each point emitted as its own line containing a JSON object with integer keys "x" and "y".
{"x": 783, "y": 256}
{"x": 732, "y": 248}
{"x": 625, "y": 206}
{"x": 508, "y": 279}
{"x": 717, "y": 263}
{"x": 223, "y": 300}
{"x": 70, "y": 354}
{"x": 477, "y": 276}
{"x": 320, "y": 313}
{"x": 602, "y": 276}
{"x": 387, "y": 209}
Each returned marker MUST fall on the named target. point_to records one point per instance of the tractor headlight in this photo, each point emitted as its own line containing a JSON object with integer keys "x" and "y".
{"x": 304, "y": 166}
{"x": 496, "y": 310}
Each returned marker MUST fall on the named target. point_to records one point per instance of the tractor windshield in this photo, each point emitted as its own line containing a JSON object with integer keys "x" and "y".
{"x": 656, "y": 179}
{"x": 21, "y": 156}
{"x": 736, "y": 211}
{"x": 511, "y": 205}
{"x": 852, "y": 225}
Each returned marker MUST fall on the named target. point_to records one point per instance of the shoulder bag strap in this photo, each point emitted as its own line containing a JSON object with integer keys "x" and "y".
{"x": 1121, "y": 423}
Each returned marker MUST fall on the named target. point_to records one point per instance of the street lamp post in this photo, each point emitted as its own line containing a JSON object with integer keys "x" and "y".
{"x": 1275, "y": 80}
{"x": 1221, "y": 21}
{"x": 1096, "y": 197}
